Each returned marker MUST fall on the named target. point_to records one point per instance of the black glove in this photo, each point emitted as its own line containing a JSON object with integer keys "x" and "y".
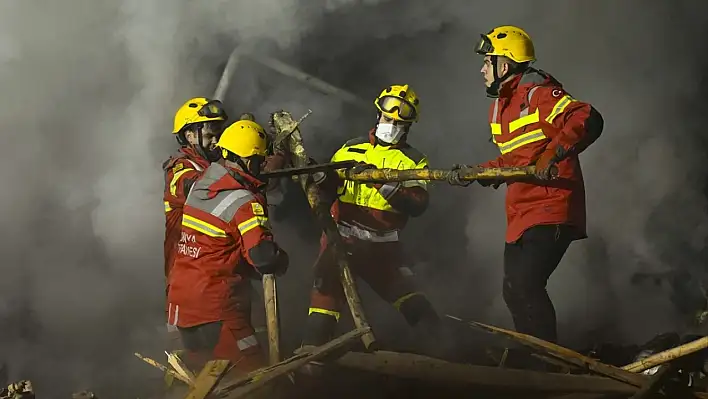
{"x": 457, "y": 170}
{"x": 362, "y": 166}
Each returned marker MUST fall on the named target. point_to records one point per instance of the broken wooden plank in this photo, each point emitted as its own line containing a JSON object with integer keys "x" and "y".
{"x": 566, "y": 355}
{"x": 252, "y": 381}
{"x": 164, "y": 369}
{"x": 208, "y": 378}
{"x": 174, "y": 360}
{"x": 406, "y": 365}
{"x": 667, "y": 355}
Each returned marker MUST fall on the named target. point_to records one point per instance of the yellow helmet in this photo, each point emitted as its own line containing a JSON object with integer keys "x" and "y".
{"x": 399, "y": 103}
{"x": 507, "y": 41}
{"x": 243, "y": 138}
{"x": 198, "y": 109}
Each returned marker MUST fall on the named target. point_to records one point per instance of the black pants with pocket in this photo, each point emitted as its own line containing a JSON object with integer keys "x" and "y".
{"x": 528, "y": 263}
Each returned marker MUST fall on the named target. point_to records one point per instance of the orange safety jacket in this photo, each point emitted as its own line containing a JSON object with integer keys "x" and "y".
{"x": 534, "y": 113}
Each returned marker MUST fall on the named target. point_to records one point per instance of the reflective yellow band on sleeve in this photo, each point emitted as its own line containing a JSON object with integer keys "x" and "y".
{"x": 559, "y": 107}
{"x": 404, "y": 298}
{"x": 202, "y": 226}
{"x": 252, "y": 223}
{"x": 167, "y": 207}
{"x": 175, "y": 178}
{"x": 496, "y": 128}
{"x": 523, "y": 121}
{"x": 526, "y": 138}
{"x": 324, "y": 312}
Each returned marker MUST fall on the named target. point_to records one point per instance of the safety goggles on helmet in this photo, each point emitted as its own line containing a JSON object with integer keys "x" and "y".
{"x": 212, "y": 109}
{"x": 484, "y": 46}
{"x": 390, "y": 104}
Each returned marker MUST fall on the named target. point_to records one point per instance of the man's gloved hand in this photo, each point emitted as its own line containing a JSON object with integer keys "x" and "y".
{"x": 362, "y": 166}
{"x": 545, "y": 165}
{"x": 457, "y": 171}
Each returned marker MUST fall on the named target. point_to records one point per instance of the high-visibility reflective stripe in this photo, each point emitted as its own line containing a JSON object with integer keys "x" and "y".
{"x": 496, "y": 128}
{"x": 495, "y": 113}
{"x": 388, "y": 190}
{"x": 196, "y": 165}
{"x": 252, "y": 223}
{"x": 230, "y": 199}
{"x": 523, "y": 121}
{"x": 202, "y": 226}
{"x": 247, "y": 342}
{"x": 324, "y": 312}
{"x": 175, "y": 178}
{"x": 559, "y": 107}
{"x": 526, "y": 138}
{"x": 366, "y": 235}
{"x": 404, "y": 298}
{"x": 167, "y": 207}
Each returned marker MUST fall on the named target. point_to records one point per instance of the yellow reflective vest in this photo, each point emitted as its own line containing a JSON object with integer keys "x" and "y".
{"x": 361, "y": 150}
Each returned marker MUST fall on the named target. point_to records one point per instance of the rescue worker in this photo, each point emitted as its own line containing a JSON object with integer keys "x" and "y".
{"x": 534, "y": 121}
{"x": 197, "y": 126}
{"x": 370, "y": 218}
{"x": 225, "y": 240}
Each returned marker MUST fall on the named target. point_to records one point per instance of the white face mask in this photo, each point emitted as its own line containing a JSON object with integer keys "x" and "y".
{"x": 389, "y": 133}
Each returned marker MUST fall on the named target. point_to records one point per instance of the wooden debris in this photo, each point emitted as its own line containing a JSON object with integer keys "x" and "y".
{"x": 270, "y": 297}
{"x": 257, "y": 379}
{"x": 667, "y": 355}
{"x": 406, "y": 365}
{"x": 208, "y": 378}
{"x": 19, "y": 390}
{"x": 567, "y": 355}
{"x": 165, "y": 369}
{"x": 174, "y": 361}
{"x": 287, "y": 128}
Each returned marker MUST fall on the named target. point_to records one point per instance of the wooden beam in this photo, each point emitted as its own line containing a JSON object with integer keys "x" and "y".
{"x": 406, "y": 365}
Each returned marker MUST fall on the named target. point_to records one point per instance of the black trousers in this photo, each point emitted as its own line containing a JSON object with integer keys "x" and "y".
{"x": 528, "y": 263}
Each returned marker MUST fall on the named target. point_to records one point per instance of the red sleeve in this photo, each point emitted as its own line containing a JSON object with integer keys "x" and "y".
{"x": 412, "y": 201}
{"x": 251, "y": 227}
{"x": 499, "y": 162}
{"x": 179, "y": 180}
{"x": 577, "y": 123}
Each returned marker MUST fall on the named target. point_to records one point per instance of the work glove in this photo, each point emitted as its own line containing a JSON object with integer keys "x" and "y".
{"x": 546, "y": 163}
{"x": 457, "y": 170}
{"x": 362, "y": 166}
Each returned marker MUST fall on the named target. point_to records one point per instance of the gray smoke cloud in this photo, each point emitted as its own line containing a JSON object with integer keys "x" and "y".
{"x": 89, "y": 89}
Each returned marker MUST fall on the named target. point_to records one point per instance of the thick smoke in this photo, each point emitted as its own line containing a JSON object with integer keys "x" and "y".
{"x": 89, "y": 89}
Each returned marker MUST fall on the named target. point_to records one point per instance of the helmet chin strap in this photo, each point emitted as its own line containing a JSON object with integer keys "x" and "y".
{"x": 210, "y": 156}
{"x": 493, "y": 89}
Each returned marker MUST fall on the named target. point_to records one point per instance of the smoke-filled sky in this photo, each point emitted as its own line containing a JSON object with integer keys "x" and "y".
{"x": 89, "y": 89}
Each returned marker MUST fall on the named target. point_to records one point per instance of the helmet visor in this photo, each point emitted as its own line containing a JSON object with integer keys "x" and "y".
{"x": 212, "y": 109}
{"x": 390, "y": 104}
{"x": 484, "y": 46}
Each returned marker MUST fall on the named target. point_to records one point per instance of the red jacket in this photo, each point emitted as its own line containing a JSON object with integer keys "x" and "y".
{"x": 225, "y": 217}
{"x": 181, "y": 171}
{"x": 532, "y": 114}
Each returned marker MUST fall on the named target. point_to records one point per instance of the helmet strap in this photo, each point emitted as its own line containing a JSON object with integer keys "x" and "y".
{"x": 211, "y": 156}
{"x": 493, "y": 90}
{"x": 181, "y": 139}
